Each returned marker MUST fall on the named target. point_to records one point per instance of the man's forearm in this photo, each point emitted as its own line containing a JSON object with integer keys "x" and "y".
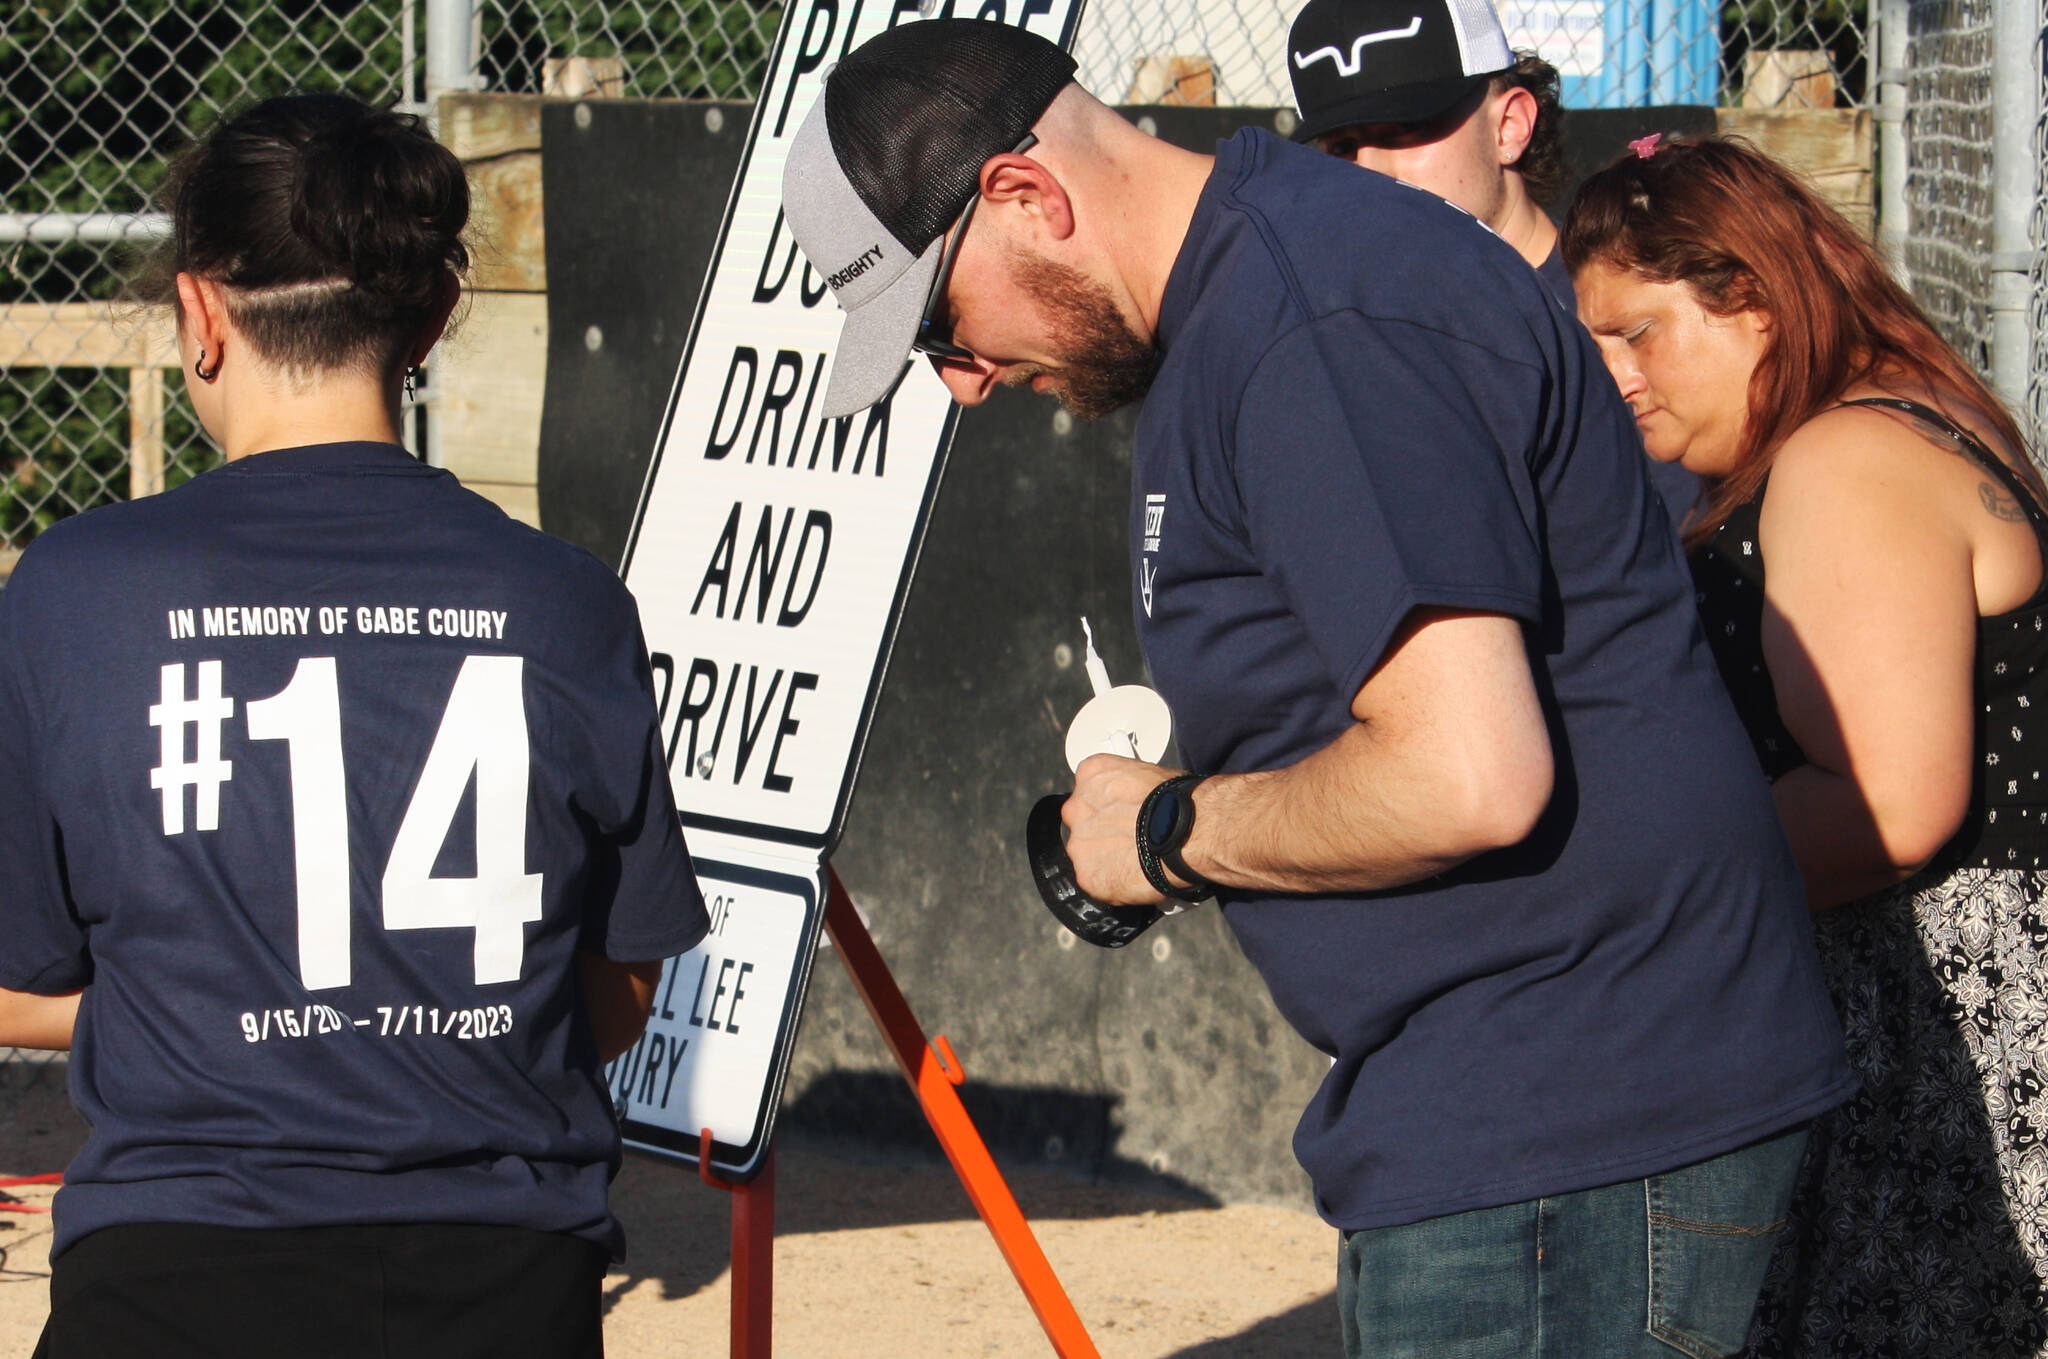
{"x": 1358, "y": 816}
{"x": 1448, "y": 757}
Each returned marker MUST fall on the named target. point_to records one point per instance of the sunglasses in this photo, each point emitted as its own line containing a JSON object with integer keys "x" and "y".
{"x": 935, "y": 331}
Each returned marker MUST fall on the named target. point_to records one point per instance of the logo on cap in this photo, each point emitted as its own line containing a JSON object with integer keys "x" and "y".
{"x": 1347, "y": 69}
{"x": 866, "y": 260}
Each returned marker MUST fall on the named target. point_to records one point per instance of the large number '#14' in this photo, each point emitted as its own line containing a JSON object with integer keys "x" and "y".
{"x": 482, "y": 731}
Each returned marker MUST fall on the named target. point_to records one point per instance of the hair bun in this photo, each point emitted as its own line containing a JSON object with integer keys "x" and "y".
{"x": 384, "y": 204}
{"x": 319, "y": 188}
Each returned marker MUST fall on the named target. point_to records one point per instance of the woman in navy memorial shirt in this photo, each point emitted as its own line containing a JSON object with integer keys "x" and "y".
{"x": 332, "y": 812}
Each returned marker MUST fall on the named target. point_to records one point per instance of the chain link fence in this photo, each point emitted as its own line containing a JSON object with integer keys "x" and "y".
{"x": 95, "y": 95}
{"x": 641, "y": 49}
{"x": 1610, "y": 53}
{"x": 1949, "y": 170}
{"x": 2037, "y": 233}
{"x": 1976, "y": 188}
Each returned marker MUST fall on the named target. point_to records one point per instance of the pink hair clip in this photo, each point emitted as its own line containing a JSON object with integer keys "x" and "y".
{"x": 1645, "y": 146}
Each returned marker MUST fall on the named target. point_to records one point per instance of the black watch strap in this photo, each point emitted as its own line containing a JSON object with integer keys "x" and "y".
{"x": 1171, "y": 855}
{"x": 1155, "y": 856}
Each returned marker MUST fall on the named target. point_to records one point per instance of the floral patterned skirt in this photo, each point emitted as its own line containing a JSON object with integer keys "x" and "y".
{"x": 1920, "y": 1224}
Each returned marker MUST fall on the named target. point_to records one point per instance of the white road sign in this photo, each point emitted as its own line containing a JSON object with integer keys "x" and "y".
{"x": 770, "y": 556}
{"x": 772, "y": 548}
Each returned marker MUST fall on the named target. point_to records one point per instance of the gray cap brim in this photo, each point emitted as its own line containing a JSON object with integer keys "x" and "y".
{"x": 875, "y": 278}
{"x": 874, "y": 344}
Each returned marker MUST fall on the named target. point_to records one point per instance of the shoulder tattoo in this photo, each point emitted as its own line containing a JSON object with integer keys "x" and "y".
{"x": 1999, "y": 502}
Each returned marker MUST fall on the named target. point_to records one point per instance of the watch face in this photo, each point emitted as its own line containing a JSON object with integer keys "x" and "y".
{"x": 1165, "y": 814}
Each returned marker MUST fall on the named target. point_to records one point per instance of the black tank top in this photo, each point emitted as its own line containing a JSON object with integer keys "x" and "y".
{"x": 2007, "y": 824}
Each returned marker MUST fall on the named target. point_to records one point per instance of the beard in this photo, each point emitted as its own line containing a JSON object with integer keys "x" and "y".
{"x": 1103, "y": 364}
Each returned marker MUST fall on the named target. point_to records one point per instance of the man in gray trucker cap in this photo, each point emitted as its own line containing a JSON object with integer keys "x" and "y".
{"x": 1463, "y": 779}
{"x": 871, "y": 198}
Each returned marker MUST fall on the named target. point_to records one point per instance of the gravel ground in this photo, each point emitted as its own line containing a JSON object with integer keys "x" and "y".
{"x": 875, "y": 1258}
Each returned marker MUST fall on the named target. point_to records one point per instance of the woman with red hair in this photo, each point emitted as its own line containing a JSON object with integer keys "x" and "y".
{"x": 1869, "y": 562}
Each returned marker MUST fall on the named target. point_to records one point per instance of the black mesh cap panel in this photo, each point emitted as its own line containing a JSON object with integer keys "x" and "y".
{"x": 915, "y": 112}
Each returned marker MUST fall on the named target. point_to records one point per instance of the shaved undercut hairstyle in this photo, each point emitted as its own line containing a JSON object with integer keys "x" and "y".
{"x": 335, "y": 227}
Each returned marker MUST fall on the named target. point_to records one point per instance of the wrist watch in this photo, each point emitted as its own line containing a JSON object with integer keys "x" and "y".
{"x": 1165, "y": 822}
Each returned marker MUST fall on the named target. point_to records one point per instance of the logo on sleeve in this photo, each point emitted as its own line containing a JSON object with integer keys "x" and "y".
{"x": 1155, "y": 526}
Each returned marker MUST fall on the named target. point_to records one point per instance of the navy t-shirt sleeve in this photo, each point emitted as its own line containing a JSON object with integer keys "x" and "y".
{"x": 42, "y": 945}
{"x": 652, "y": 907}
{"x": 642, "y": 901}
{"x": 1383, "y": 467}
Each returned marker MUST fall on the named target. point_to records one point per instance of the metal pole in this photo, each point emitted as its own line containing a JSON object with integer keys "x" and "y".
{"x": 451, "y": 69}
{"x": 1893, "y": 217}
{"x": 64, "y": 227}
{"x": 753, "y": 1263}
{"x": 2015, "y": 105}
{"x": 2037, "y": 379}
{"x": 451, "y": 58}
{"x": 408, "y": 57}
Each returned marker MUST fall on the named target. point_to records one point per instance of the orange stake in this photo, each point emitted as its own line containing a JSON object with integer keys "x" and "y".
{"x": 753, "y": 1264}
{"x": 934, "y": 1072}
{"x": 753, "y": 1253}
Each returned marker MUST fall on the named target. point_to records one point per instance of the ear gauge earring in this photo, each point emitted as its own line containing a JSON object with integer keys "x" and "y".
{"x": 201, "y": 371}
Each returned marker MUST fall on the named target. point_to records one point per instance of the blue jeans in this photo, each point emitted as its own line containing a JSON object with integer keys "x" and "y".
{"x": 1650, "y": 1269}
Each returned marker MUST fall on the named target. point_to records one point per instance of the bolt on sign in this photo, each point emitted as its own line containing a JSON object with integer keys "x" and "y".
{"x": 771, "y": 554}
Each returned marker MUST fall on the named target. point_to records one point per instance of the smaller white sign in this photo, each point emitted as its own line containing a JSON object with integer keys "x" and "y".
{"x": 1569, "y": 34}
{"x": 709, "y": 1057}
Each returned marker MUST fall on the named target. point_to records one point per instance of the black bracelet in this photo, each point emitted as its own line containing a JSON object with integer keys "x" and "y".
{"x": 1171, "y": 856}
{"x": 1154, "y": 859}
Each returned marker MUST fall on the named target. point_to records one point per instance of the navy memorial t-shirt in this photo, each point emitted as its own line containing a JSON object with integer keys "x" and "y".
{"x": 1370, "y": 404}
{"x": 316, "y": 772}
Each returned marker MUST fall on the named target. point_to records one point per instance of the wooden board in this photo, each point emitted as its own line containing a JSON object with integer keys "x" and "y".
{"x": 521, "y": 502}
{"x": 480, "y": 126}
{"x": 497, "y": 139}
{"x": 508, "y": 243}
{"x": 487, "y": 379}
{"x": 583, "y": 77}
{"x": 1189, "y": 81}
{"x": 1796, "y": 78}
{"x": 1832, "y": 148}
{"x": 85, "y": 335}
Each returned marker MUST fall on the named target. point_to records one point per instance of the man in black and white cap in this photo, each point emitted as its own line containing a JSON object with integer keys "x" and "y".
{"x": 1468, "y": 790}
{"x": 1428, "y": 92}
